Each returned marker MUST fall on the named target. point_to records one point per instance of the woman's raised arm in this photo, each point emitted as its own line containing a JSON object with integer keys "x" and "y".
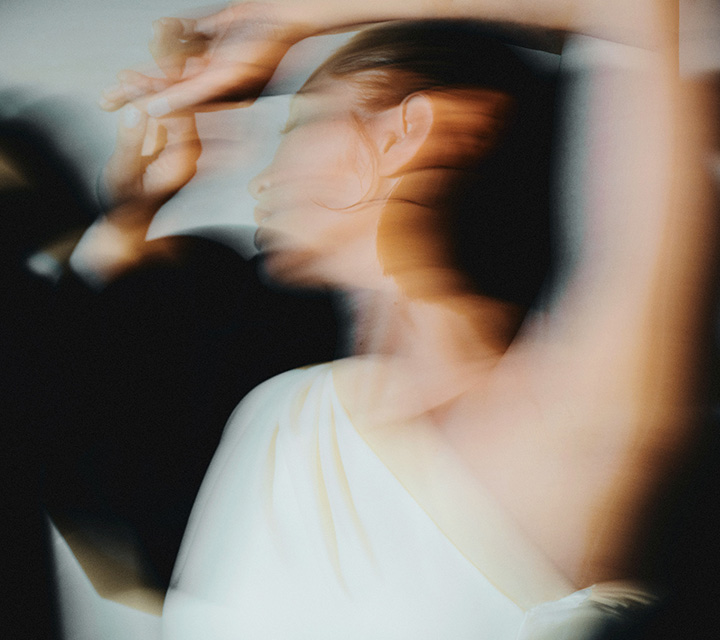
{"x": 630, "y": 322}
{"x": 228, "y": 57}
{"x": 616, "y": 367}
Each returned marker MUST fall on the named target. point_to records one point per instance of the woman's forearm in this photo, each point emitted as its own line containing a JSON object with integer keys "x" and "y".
{"x": 245, "y": 42}
{"x": 635, "y": 22}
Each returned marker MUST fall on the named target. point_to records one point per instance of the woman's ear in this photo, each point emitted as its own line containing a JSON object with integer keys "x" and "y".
{"x": 403, "y": 132}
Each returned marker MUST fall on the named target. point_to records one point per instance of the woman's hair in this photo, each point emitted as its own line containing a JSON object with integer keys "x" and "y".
{"x": 499, "y": 230}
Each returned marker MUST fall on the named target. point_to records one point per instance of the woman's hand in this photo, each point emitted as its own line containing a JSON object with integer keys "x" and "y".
{"x": 153, "y": 158}
{"x": 213, "y": 62}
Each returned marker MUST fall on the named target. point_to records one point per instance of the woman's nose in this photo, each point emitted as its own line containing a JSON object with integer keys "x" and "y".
{"x": 258, "y": 184}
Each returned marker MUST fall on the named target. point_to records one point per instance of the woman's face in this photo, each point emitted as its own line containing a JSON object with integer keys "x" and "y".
{"x": 320, "y": 198}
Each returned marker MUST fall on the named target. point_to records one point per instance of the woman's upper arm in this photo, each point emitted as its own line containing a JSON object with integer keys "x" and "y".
{"x": 624, "y": 333}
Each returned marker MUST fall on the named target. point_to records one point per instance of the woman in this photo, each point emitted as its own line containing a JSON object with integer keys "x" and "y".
{"x": 356, "y": 199}
{"x": 462, "y": 477}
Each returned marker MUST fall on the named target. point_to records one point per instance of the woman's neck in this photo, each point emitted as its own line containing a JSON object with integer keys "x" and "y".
{"x": 451, "y": 328}
{"x": 432, "y": 351}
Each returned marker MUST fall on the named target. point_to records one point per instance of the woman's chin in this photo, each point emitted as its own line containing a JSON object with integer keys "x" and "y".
{"x": 291, "y": 268}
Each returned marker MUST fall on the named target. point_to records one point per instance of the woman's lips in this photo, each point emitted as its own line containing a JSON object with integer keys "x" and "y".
{"x": 260, "y": 215}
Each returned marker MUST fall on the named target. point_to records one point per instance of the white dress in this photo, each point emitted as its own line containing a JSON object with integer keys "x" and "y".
{"x": 302, "y": 532}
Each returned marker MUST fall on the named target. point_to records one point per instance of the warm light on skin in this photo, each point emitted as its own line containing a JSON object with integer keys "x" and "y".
{"x": 320, "y": 199}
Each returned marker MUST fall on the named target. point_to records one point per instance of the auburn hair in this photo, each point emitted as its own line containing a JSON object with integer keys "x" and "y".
{"x": 499, "y": 224}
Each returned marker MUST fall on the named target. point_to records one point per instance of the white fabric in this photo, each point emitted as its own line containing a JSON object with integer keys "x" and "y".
{"x": 301, "y": 532}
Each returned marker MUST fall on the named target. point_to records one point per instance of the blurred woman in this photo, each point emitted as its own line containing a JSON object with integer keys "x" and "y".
{"x": 466, "y": 474}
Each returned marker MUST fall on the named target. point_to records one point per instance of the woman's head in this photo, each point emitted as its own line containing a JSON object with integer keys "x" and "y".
{"x": 435, "y": 114}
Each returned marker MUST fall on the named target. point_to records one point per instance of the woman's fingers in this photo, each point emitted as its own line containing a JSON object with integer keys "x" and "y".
{"x": 133, "y": 173}
{"x": 181, "y": 129}
{"x": 153, "y": 157}
{"x": 234, "y": 72}
{"x": 215, "y": 86}
{"x": 122, "y": 176}
{"x": 131, "y": 86}
{"x": 213, "y": 62}
{"x": 218, "y": 61}
{"x": 211, "y": 25}
{"x": 176, "y": 163}
{"x": 174, "y": 42}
